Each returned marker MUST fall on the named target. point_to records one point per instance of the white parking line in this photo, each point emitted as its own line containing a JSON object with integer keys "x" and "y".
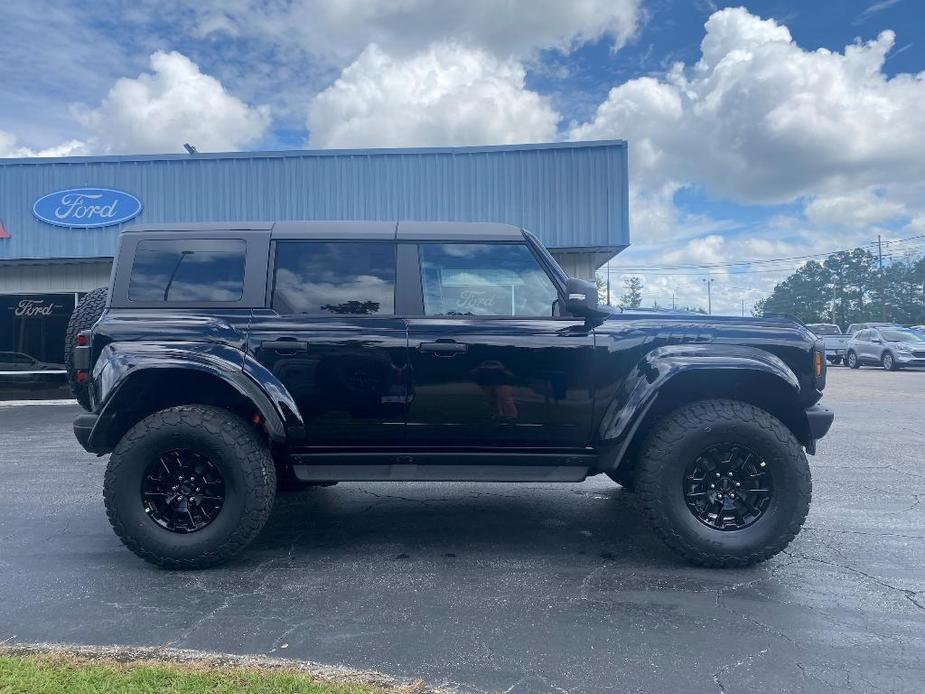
{"x": 17, "y": 403}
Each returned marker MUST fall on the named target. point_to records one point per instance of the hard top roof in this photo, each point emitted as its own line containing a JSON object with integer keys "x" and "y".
{"x": 340, "y": 230}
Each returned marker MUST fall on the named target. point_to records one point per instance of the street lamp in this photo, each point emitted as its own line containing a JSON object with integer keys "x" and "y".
{"x": 709, "y": 282}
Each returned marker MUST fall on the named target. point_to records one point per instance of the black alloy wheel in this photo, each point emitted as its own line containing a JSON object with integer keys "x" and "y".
{"x": 182, "y": 491}
{"x": 728, "y": 487}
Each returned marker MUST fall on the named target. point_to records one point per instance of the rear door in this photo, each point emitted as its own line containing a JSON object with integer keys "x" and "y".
{"x": 492, "y": 366}
{"x": 331, "y": 337}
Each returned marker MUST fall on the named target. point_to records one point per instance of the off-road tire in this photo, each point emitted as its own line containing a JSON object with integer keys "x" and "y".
{"x": 87, "y": 312}
{"x": 232, "y": 445}
{"x": 680, "y": 437}
{"x": 855, "y": 363}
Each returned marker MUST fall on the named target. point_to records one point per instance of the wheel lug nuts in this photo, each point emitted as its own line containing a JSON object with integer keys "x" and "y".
{"x": 175, "y": 487}
{"x": 719, "y": 496}
{"x": 712, "y": 486}
{"x": 730, "y": 474}
{"x": 738, "y": 484}
{"x": 717, "y": 474}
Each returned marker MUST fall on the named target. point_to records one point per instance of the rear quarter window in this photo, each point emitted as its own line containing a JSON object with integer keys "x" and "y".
{"x": 188, "y": 271}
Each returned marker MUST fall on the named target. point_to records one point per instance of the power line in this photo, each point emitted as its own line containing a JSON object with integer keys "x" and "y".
{"x": 762, "y": 261}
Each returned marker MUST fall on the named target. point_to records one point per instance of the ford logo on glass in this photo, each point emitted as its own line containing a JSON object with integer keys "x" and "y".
{"x": 86, "y": 208}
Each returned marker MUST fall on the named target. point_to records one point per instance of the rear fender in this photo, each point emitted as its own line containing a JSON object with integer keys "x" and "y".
{"x": 122, "y": 364}
{"x": 659, "y": 369}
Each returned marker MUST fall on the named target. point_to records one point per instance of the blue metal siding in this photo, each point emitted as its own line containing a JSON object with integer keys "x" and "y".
{"x": 571, "y": 195}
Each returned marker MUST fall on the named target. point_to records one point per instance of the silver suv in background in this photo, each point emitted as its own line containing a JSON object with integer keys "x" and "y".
{"x": 890, "y": 347}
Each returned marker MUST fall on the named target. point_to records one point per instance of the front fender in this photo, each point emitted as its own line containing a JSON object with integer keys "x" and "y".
{"x": 120, "y": 363}
{"x": 655, "y": 371}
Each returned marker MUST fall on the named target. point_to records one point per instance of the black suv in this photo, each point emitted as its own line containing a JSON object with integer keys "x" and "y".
{"x": 227, "y": 359}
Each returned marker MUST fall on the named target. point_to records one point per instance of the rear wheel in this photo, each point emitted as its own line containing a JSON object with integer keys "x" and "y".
{"x": 835, "y": 360}
{"x": 853, "y": 361}
{"x": 189, "y": 487}
{"x": 724, "y": 483}
{"x": 87, "y": 312}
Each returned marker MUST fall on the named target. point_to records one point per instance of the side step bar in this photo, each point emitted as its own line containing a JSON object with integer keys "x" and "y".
{"x": 441, "y": 467}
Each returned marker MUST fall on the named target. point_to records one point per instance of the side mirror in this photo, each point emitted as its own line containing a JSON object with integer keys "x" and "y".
{"x": 581, "y": 298}
{"x": 876, "y": 340}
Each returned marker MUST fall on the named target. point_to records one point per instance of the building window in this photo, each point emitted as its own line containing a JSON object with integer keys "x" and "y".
{"x": 484, "y": 279}
{"x": 32, "y": 329}
{"x": 187, "y": 271}
{"x": 335, "y": 278}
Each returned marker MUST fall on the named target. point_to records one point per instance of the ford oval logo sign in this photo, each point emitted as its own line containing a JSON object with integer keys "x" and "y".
{"x": 86, "y": 208}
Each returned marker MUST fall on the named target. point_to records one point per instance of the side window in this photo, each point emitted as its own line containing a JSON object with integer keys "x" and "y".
{"x": 173, "y": 271}
{"x": 484, "y": 279}
{"x": 863, "y": 335}
{"x": 335, "y": 277}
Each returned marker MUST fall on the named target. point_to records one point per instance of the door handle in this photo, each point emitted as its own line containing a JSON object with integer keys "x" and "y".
{"x": 447, "y": 349}
{"x": 284, "y": 345}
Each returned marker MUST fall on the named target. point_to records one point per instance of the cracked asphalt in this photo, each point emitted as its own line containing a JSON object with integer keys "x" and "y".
{"x": 502, "y": 588}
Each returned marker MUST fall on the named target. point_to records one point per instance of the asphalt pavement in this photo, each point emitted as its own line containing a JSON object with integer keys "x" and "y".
{"x": 502, "y": 588}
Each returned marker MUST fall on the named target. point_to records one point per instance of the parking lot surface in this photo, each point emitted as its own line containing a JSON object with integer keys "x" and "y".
{"x": 515, "y": 588}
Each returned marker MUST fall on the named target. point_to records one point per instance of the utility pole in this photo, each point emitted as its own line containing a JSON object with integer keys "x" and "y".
{"x": 608, "y": 283}
{"x": 673, "y": 307}
{"x": 743, "y": 308}
{"x": 882, "y": 298}
{"x": 709, "y": 282}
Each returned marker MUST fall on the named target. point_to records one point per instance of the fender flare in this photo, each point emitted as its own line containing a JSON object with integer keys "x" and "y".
{"x": 121, "y": 364}
{"x": 628, "y": 408}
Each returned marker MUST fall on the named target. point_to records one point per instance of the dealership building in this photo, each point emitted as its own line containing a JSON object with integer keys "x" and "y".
{"x": 60, "y": 218}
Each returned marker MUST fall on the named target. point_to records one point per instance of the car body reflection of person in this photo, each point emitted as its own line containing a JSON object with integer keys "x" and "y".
{"x": 498, "y": 384}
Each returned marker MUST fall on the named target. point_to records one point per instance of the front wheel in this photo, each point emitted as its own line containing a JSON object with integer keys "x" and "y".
{"x": 724, "y": 483}
{"x": 853, "y": 361}
{"x": 889, "y": 362}
{"x": 189, "y": 487}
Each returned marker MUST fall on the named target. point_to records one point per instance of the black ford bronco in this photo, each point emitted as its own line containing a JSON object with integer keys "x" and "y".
{"x": 225, "y": 360}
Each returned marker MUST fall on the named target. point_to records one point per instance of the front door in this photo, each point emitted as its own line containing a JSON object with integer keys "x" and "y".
{"x": 491, "y": 365}
{"x": 332, "y": 340}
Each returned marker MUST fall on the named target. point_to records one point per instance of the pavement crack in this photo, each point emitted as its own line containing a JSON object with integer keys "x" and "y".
{"x": 732, "y": 666}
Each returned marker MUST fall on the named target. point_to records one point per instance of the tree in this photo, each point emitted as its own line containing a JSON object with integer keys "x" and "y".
{"x": 633, "y": 296}
{"x": 849, "y": 287}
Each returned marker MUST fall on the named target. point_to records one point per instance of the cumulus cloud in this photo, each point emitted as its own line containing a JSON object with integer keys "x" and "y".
{"x": 759, "y": 119}
{"x": 447, "y": 94}
{"x": 173, "y": 104}
{"x": 858, "y": 209}
{"x": 339, "y": 29}
{"x": 9, "y": 147}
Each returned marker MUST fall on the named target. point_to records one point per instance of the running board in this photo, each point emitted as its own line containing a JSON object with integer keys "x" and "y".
{"x": 441, "y": 467}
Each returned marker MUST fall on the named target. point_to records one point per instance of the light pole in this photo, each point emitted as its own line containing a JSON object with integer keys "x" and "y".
{"x": 709, "y": 282}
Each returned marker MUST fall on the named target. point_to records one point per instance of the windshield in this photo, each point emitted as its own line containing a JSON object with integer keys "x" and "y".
{"x": 902, "y": 336}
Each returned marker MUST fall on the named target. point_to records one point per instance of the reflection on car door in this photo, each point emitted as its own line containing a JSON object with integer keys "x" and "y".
{"x": 491, "y": 365}
{"x": 331, "y": 338}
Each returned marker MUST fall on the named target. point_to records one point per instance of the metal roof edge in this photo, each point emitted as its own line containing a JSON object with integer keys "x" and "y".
{"x": 306, "y": 153}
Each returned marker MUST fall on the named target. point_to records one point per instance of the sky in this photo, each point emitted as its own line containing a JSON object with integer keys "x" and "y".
{"x": 757, "y": 130}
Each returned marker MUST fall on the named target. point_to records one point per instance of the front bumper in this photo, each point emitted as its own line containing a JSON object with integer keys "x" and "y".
{"x": 820, "y": 420}
{"x": 907, "y": 359}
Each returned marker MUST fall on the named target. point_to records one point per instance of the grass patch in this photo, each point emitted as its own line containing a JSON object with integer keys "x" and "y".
{"x": 51, "y": 673}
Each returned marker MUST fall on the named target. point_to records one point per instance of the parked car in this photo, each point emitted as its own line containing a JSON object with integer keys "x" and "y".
{"x": 227, "y": 357}
{"x": 892, "y": 348}
{"x": 854, "y": 327}
{"x": 836, "y": 344}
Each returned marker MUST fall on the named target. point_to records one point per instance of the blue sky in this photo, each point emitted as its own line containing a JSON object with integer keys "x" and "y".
{"x": 757, "y": 130}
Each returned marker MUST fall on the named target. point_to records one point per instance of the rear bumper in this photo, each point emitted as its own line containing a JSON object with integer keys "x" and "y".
{"x": 83, "y": 427}
{"x": 820, "y": 420}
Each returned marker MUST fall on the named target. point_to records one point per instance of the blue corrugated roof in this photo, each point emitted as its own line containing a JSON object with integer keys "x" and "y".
{"x": 572, "y": 194}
